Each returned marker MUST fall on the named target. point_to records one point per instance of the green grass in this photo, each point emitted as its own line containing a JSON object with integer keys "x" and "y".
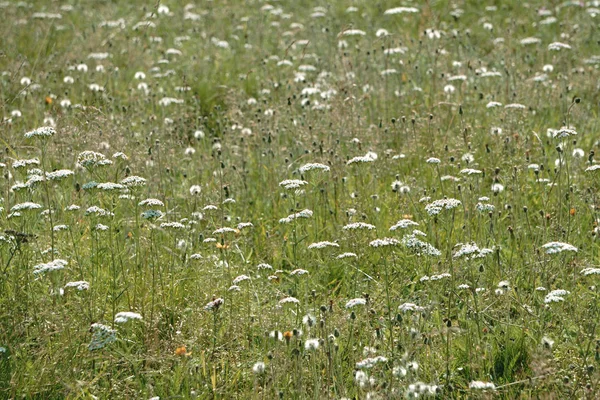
{"x": 292, "y": 88}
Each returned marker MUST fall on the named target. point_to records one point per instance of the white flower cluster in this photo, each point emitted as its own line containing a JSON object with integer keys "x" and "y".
{"x": 292, "y": 183}
{"x": 358, "y": 225}
{"x": 124, "y": 316}
{"x": 385, "y": 242}
{"x": 420, "y": 247}
{"x": 322, "y": 245}
{"x": 438, "y": 205}
{"x": 42, "y": 132}
{"x": 403, "y": 224}
{"x": 54, "y": 265}
{"x": 306, "y": 213}
{"x": 313, "y": 166}
{"x": 556, "y": 296}
{"x": 471, "y": 251}
{"x": 558, "y": 247}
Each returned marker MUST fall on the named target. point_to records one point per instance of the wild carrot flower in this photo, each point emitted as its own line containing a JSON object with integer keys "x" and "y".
{"x": 558, "y": 247}
{"x": 42, "y": 132}
{"x": 479, "y": 385}
{"x": 356, "y": 302}
{"x": 437, "y": 206}
{"x": 79, "y": 285}
{"x": 54, "y": 265}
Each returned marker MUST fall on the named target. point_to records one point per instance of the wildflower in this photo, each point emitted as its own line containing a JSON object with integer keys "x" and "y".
{"x": 221, "y": 231}
{"x": 24, "y": 163}
{"x": 28, "y": 205}
{"x": 578, "y": 153}
{"x": 276, "y": 335}
{"x": 384, "y": 242}
{"x": 470, "y": 171}
{"x": 182, "y": 352}
{"x": 356, "y": 302}
{"x": 403, "y": 224}
{"x": 557, "y": 46}
{"x": 172, "y": 225}
{"x": 438, "y": 205}
{"x": 433, "y": 160}
{"x": 258, "y": 368}
{"x": 558, "y": 247}
{"x": 504, "y": 285}
{"x": 264, "y": 266}
{"x": 90, "y": 159}
{"x": 124, "y": 316}
{"x": 166, "y": 101}
{"x": 121, "y": 156}
{"x": 370, "y": 362}
{"x": 358, "y": 225}
{"x": 214, "y": 305}
{"x": 361, "y": 378}
{"x": 306, "y": 213}
{"x": 243, "y": 225}
{"x": 101, "y": 227}
{"x": 43, "y": 132}
{"x": 530, "y": 40}
{"x": 556, "y": 296}
{"x": 152, "y": 214}
{"x": 497, "y": 188}
{"x": 299, "y": 272}
{"x": 292, "y": 183}
{"x": 289, "y": 300}
{"x": 54, "y": 265}
{"x": 195, "y": 190}
{"x": 590, "y": 271}
{"x": 471, "y": 251}
{"x": 420, "y": 247}
{"x": 59, "y": 174}
{"x": 484, "y": 207}
{"x": 79, "y": 285}
{"x": 563, "y": 132}
{"x": 240, "y": 278}
{"x": 346, "y": 255}
{"x": 479, "y": 385}
{"x": 367, "y": 158}
{"x": 102, "y": 336}
{"x": 311, "y": 344}
{"x": 410, "y": 307}
{"x": 97, "y": 211}
{"x": 151, "y": 203}
{"x": 353, "y": 32}
{"x": 401, "y": 10}
{"x": 133, "y": 181}
{"x": 109, "y": 186}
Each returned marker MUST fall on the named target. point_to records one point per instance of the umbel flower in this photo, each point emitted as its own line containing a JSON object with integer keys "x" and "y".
{"x": 42, "y": 132}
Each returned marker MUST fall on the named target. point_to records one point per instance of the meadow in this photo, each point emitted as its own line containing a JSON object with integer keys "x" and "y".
{"x": 299, "y": 200}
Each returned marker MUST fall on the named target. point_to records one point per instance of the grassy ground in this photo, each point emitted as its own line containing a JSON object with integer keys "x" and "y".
{"x": 243, "y": 199}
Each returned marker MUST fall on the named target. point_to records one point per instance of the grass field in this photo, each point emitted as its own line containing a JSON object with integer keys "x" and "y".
{"x": 299, "y": 199}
